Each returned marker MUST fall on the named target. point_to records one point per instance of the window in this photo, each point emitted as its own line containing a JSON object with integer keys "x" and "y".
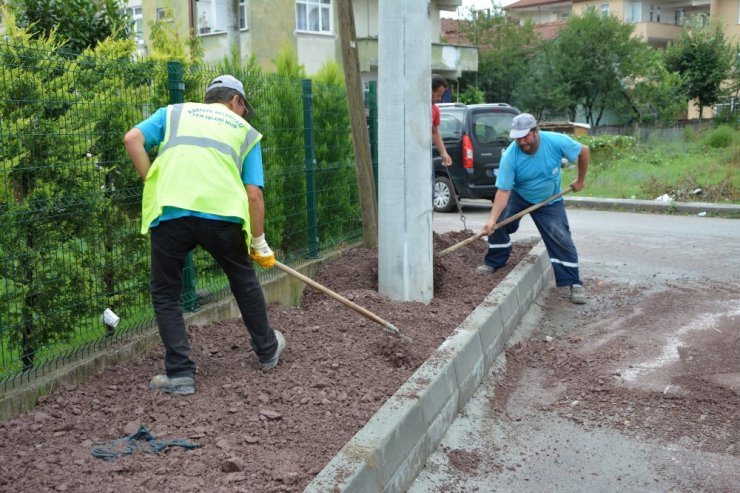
{"x": 634, "y": 13}
{"x": 214, "y": 16}
{"x": 679, "y": 17}
{"x": 450, "y": 126}
{"x": 137, "y": 20}
{"x": 242, "y": 14}
{"x": 604, "y": 9}
{"x": 654, "y": 13}
{"x": 313, "y": 15}
{"x": 492, "y": 127}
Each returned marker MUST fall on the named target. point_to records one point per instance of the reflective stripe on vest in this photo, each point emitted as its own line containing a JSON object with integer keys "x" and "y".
{"x": 175, "y": 139}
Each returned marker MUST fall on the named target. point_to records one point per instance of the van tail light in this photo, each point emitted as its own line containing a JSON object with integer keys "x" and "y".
{"x": 467, "y": 152}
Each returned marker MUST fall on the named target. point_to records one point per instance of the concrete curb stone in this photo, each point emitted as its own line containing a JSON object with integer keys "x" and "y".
{"x": 387, "y": 454}
{"x": 635, "y": 205}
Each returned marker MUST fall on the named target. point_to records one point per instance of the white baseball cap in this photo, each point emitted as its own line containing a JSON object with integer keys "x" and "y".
{"x": 521, "y": 125}
{"x": 229, "y": 82}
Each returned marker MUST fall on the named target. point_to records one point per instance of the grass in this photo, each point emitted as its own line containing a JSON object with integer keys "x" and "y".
{"x": 688, "y": 165}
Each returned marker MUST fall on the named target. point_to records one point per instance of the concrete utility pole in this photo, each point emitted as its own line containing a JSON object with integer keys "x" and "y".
{"x": 358, "y": 122}
{"x": 405, "y": 254}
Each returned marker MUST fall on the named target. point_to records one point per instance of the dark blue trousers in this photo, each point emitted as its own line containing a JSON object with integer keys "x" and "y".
{"x": 552, "y": 223}
{"x": 171, "y": 241}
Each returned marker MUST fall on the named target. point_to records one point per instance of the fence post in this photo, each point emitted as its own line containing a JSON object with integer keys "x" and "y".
{"x": 310, "y": 161}
{"x": 372, "y": 97}
{"x": 189, "y": 297}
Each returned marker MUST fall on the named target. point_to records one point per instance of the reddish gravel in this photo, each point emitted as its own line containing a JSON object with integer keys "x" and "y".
{"x": 258, "y": 431}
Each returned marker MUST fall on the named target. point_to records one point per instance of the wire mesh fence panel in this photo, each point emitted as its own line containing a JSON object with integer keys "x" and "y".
{"x": 70, "y": 244}
{"x": 70, "y": 200}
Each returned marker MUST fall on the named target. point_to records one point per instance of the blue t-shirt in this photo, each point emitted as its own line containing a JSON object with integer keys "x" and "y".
{"x": 537, "y": 177}
{"x": 154, "y": 128}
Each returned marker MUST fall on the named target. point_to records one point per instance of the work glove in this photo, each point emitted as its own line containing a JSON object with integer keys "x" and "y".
{"x": 261, "y": 252}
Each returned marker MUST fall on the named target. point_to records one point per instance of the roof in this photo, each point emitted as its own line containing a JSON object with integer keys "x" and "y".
{"x": 450, "y": 29}
{"x": 549, "y": 30}
{"x": 531, "y": 3}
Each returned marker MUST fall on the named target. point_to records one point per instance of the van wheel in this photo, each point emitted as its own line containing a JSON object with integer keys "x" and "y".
{"x": 444, "y": 197}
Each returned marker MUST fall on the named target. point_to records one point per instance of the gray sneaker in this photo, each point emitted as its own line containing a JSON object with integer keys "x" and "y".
{"x": 177, "y": 385}
{"x": 486, "y": 269}
{"x": 272, "y": 362}
{"x": 577, "y": 294}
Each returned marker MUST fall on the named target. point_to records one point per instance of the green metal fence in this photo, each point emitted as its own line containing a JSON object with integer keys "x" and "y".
{"x": 70, "y": 199}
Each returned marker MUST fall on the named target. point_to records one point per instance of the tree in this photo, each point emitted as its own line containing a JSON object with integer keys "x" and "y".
{"x": 65, "y": 188}
{"x": 657, "y": 96}
{"x": 703, "y": 60}
{"x": 82, "y": 23}
{"x": 506, "y": 50}
{"x": 542, "y": 89}
{"x": 593, "y": 57}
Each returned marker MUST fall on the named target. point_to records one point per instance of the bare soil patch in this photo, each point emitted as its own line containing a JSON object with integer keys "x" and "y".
{"x": 258, "y": 431}
{"x": 622, "y": 363}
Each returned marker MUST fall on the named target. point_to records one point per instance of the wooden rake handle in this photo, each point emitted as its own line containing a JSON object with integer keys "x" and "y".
{"x": 387, "y": 326}
{"x": 506, "y": 221}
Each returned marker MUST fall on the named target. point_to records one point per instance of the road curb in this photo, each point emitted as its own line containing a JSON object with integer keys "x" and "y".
{"x": 672, "y": 207}
{"x": 388, "y": 453}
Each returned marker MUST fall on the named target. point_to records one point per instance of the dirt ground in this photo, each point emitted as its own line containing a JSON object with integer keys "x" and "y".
{"x": 632, "y": 370}
{"x": 638, "y": 390}
{"x": 257, "y": 431}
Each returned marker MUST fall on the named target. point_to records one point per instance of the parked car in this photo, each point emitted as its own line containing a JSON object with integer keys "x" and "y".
{"x": 475, "y": 135}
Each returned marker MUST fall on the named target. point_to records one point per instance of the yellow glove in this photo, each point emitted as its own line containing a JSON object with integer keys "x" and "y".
{"x": 261, "y": 252}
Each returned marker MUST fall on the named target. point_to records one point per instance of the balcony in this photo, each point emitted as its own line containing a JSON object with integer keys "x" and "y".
{"x": 450, "y": 59}
{"x": 657, "y": 34}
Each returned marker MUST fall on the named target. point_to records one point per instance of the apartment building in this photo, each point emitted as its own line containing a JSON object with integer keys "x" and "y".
{"x": 656, "y": 21}
{"x": 263, "y": 27}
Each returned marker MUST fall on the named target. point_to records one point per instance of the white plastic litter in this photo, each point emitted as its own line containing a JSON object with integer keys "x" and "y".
{"x": 110, "y": 318}
{"x": 702, "y": 214}
{"x": 664, "y": 198}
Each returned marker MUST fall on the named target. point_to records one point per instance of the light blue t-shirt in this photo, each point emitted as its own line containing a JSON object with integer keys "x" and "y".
{"x": 537, "y": 177}
{"x": 154, "y": 128}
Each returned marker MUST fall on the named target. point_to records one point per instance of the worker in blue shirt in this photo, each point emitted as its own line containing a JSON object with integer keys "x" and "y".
{"x": 530, "y": 173}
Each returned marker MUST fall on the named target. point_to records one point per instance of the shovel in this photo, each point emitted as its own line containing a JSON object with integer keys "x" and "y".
{"x": 387, "y": 326}
{"x": 506, "y": 221}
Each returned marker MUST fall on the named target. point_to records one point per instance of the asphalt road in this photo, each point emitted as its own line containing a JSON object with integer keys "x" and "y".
{"x": 530, "y": 450}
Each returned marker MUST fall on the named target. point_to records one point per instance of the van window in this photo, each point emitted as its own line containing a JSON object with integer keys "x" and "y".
{"x": 490, "y": 127}
{"x": 450, "y": 127}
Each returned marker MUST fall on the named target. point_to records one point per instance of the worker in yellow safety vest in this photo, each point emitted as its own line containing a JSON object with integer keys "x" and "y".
{"x": 204, "y": 188}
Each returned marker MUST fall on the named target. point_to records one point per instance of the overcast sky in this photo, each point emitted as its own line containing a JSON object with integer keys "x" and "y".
{"x": 476, "y": 4}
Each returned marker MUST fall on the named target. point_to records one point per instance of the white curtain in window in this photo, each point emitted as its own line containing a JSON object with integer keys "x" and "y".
{"x": 313, "y": 15}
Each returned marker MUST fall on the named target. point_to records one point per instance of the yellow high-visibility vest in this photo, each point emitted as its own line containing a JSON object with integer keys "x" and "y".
{"x": 199, "y": 164}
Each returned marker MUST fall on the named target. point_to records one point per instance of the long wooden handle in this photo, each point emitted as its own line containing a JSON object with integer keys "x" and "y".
{"x": 506, "y": 221}
{"x": 364, "y": 312}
